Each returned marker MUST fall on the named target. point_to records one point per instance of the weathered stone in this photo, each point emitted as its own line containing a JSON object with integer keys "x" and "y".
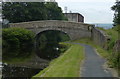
{"x": 75, "y": 30}
{"x": 100, "y": 38}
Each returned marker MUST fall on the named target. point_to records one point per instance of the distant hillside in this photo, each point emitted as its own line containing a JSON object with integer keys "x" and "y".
{"x": 105, "y": 26}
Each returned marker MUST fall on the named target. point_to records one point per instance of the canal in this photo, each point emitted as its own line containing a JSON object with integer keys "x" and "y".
{"x": 27, "y": 62}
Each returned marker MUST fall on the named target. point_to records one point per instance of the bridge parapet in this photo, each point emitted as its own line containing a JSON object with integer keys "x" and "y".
{"x": 75, "y": 30}
{"x": 51, "y": 23}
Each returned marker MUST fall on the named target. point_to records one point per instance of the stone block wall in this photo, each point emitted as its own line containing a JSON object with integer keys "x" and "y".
{"x": 99, "y": 37}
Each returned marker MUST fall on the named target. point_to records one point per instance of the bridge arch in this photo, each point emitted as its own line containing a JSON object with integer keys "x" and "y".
{"x": 38, "y": 35}
{"x": 74, "y": 30}
{"x": 49, "y": 40}
{"x": 45, "y": 30}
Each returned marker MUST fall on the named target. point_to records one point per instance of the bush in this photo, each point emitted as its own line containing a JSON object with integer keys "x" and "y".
{"x": 15, "y": 40}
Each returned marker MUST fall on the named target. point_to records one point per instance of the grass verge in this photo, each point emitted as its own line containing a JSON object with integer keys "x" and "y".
{"x": 66, "y": 65}
{"x": 100, "y": 50}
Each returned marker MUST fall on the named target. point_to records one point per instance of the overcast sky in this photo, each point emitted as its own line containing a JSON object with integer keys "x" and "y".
{"x": 94, "y": 11}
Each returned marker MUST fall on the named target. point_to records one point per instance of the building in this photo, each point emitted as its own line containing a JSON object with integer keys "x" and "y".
{"x": 75, "y": 17}
{"x": 51, "y": 1}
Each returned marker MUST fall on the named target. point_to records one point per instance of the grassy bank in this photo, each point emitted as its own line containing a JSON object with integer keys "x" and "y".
{"x": 113, "y": 34}
{"x": 100, "y": 50}
{"x": 66, "y": 65}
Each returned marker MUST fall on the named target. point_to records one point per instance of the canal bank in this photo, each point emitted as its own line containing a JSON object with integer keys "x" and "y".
{"x": 66, "y": 65}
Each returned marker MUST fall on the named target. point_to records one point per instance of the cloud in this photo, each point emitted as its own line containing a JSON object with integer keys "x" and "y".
{"x": 94, "y": 12}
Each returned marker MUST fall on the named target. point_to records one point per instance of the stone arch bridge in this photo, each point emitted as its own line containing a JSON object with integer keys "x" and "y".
{"x": 74, "y": 30}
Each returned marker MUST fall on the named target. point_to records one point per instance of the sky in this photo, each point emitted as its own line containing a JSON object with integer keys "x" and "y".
{"x": 94, "y": 11}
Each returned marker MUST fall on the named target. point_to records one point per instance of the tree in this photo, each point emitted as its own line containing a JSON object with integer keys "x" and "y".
{"x": 23, "y": 11}
{"x": 31, "y": 11}
{"x": 54, "y": 12}
{"x": 116, "y": 8}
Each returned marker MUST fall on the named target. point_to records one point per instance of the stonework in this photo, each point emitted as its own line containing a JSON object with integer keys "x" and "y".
{"x": 74, "y": 30}
{"x": 100, "y": 38}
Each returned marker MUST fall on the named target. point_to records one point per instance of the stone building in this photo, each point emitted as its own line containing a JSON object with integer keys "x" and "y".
{"x": 75, "y": 17}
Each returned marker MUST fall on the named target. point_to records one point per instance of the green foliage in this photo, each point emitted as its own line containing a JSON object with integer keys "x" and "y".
{"x": 16, "y": 42}
{"x": 113, "y": 57}
{"x": 114, "y": 60}
{"x": 17, "y": 36}
{"x": 113, "y": 34}
{"x": 117, "y": 28}
{"x": 116, "y": 20}
{"x": 116, "y": 8}
{"x": 23, "y": 11}
{"x": 113, "y": 37}
{"x": 54, "y": 12}
{"x": 100, "y": 28}
{"x": 31, "y": 11}
{"x": 64, "y": 46}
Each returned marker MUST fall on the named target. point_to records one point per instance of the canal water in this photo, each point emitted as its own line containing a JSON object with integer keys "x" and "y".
{"x": 23, "y": 69}
{"x": 46, "y": 50}
{"x": 10, "y": 72}
{"x": 27, "y": 69}
{"x": 0, "y": 70}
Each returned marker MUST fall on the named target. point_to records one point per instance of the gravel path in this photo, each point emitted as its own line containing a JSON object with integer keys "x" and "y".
{"x": 93, "y": 65}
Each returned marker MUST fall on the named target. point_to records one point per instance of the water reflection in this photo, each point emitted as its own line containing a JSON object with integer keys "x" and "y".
{"x": 50, "y": 51}
{"x": 11, "y": 72}
{"x": 0, "y": 70}
{"x": 47, "y": 43}
{"x": 47, "y": 48}
{"x": 24, "y": 69}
